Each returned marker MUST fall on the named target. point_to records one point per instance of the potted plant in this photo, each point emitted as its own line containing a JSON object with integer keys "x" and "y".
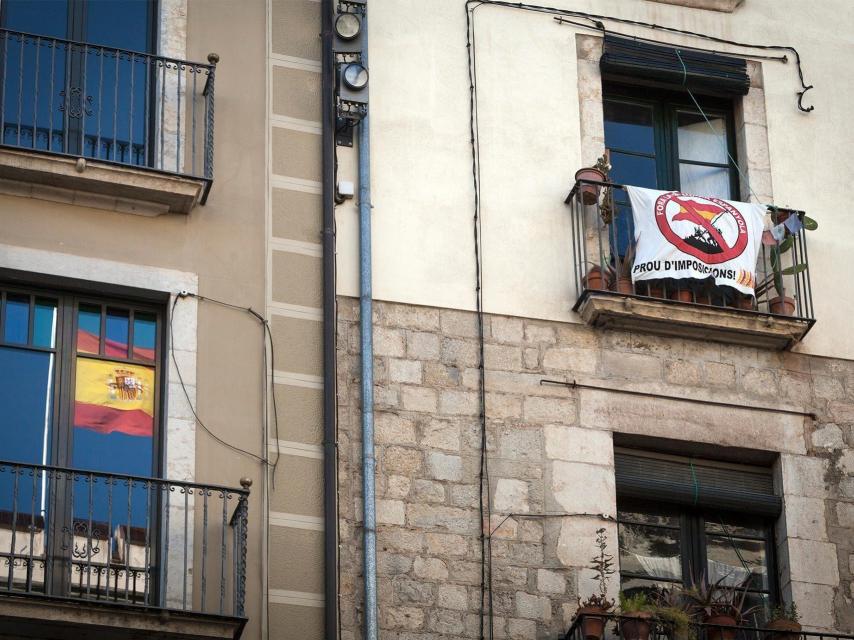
{"x": 595, "y": 278}
{"x": 782, "y": 304}
{"x": 621, "y": 280}
{"x": 785, "y": 622}
{"x": 674, "y": 613}
{"x": 593, "y": 610}
{"x": 636, "y": 615}
{"x": 597, "y": 173}
{"x": 720, "y": 606}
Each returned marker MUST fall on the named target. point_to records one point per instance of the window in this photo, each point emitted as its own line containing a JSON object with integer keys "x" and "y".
{"x": 662, "y": 546}
{"x": 80, "y": 389}
{"x": 681, "y": 521}
{"x": 61, "y": 96}
{"x": 659, "y": 140}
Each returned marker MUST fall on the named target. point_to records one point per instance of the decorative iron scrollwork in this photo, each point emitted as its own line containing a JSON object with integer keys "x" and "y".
{"x": 90, "y": 546}
{"x": 75, "y": 103}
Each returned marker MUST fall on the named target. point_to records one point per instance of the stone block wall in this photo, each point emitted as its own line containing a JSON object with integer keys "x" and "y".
{"x": 551, "y": 462}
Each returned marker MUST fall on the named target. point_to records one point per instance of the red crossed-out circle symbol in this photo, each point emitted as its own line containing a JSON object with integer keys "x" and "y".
{"x": 707, "y": 242}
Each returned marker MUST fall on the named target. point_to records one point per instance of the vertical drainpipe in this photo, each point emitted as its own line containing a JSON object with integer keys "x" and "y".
{"x": 367, "y": 344}
{"x": 330, "y": 435}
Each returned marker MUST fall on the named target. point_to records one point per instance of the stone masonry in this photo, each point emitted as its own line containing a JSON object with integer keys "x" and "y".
{"x": 551, "y": 462}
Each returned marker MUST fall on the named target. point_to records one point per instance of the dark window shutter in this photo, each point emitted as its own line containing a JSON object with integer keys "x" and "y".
{"x": 633, "y": 61}
{"x": 696, "y": 484}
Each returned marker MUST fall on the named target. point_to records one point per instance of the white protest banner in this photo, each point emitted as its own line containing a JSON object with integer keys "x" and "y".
{"x": 684, "y": 236}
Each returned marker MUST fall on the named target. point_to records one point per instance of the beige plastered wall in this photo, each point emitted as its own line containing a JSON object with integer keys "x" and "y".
{"x": 220, "y": 246}
{"x": 293, "y": 297}
{"x": 531, "y": 146}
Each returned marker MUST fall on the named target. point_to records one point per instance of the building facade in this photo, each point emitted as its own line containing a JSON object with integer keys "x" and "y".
{"x": 708, "y": 443}
{"x": 241, "y": 400}
{"x": 160, "y": 189}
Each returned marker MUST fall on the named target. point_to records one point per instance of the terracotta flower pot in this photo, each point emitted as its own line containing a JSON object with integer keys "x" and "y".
{"x": 595, "y": 279}
{"x": 682, "y": 295}
{"x": 720, "y": 632}
{"x": 782, "y": 305}
{"x": 624, "y": 285}
{"x": 655, "y": 291}
{"x": 784, "y": 629}
{"x": 743, "y": 302}
{"x": 592, "y": 627}
{"x": 590, "y": 192}
{"x": 635, "y": 626}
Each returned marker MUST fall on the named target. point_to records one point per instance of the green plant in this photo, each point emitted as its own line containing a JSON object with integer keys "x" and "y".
{"x": 673, "y": 610}
{"x": 717, "y": 599}
{"x": 639, "y": 601}
{"x": 777, "y": 252}
{"x": 785, "y": 612}
{"x": 603, "y": 564}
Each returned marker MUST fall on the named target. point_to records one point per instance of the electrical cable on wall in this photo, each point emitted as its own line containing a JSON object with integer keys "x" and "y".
{"x": 484, "y": 486}
{"x": 267, "y": 338}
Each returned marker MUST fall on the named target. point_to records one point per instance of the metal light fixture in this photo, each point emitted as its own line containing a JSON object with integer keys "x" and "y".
{"x": 348, "y": 26}
{"x": 355, "y": 76}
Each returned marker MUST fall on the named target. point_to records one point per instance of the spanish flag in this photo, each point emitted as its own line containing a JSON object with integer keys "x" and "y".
{"x": 114, "y": 397}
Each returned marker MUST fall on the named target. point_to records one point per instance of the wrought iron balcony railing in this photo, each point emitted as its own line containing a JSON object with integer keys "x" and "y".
{"x": 112, "y": 105}
{"x": 120, "y": 539}
{"x": 603, "y": 246}
{"x": 628, "y": 628}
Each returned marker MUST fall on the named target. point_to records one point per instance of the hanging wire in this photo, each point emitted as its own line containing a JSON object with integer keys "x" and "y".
{"x": 267, "y": 336}
{"x": 597, "y": 19}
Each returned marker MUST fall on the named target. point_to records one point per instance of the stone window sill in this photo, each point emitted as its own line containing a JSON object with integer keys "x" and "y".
{"x": 96, "y": 184}
{"x": 726, "y": 6}
{"x": 693, "y": 321}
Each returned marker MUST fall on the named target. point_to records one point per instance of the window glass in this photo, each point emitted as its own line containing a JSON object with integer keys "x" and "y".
{"x": 699, "y": 141}
{"x": 118, "y": 323}
{"x": 17, "y": 321}
{"x": 698, "y": 179}
{"x": 635, "y": 170}
{"x": 629, "y": 127}
{"x": 734, "y": 561}
{"x": 26, "y": 397}
{"x": 144, "y": 335}
{"x": 89, "y": 329}
{"x": 113, "y": 432}
{"x": 650, "y": 551}
{"x": 44, "y": 323}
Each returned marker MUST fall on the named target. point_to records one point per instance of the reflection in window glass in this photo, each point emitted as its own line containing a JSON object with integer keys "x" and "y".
{"x": 650, "y": 551}
{"x": 25, "y": 396}
{"x": 698, "y": 179}
{"x": 634, "y": 170}
{"x": 629, "y": 127}
{"x": 114, "y": 429}
{"x": 44, "y": 323}
{"x": 144, "y": 335}
{"x": 698, "y": 141}
{"x": 733, "y": 561}
{"x": 89, "y": 329}
{"x": 117, "y": 333}
{"x": 17, "y": 320}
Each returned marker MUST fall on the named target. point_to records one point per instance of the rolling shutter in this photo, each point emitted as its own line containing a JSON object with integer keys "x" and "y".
{"x": 696, "y": 484}
{"x": 633, "y": 61}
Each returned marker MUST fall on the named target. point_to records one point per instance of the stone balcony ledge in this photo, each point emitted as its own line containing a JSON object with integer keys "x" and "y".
{"x": 694, "y": 321}
{"x": 90, "y": 183}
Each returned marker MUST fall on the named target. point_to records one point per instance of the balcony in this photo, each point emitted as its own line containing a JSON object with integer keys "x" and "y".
{"x": 126, "y": 557}
{"x": 696, "y": 631}
{"x": 104, "y": 127}
{"x": 603, "y": 246}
